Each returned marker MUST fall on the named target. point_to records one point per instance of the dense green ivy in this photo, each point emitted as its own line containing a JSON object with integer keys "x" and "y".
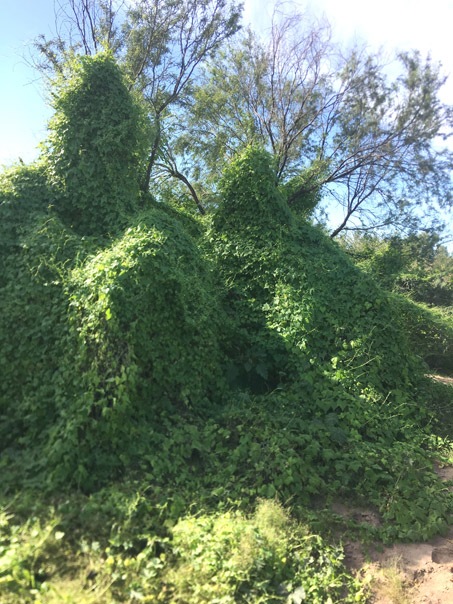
{"x": 145, "y": 322}
{"x": 219, "y": 361}
{"x": 417, "y": 271}
{"x": 99, "y": 310}
{"x": 96, "y": 343}
{"x": 311, "y": 325}
{"x": 96, "y": 143}
{"x": 313, "y": 312}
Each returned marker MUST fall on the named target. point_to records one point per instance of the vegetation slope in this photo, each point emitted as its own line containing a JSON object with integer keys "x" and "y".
{"x": 181, "y": 397}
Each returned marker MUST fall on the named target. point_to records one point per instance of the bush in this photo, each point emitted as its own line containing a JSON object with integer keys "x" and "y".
{"x": 231, "y": 558}
{"x": 205, "y": 364}
{"x": 92, "y": 378}
{"x": 96, "y": 145}
{"x": 430, "y": 332}
{"x": 302, "y": 307}
{"x": 137, "y": 309}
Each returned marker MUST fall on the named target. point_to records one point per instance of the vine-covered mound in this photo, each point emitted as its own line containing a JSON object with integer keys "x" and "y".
{"x": 102, "y": 338}
{"x": 305, "y": 310}
{"x": 346, "y": 395}
{"x": 109, "y": 316}
{"x": 249, "y": 358}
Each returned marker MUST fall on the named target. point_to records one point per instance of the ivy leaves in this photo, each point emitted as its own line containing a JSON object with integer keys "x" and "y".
{"x": 96, "y": 143}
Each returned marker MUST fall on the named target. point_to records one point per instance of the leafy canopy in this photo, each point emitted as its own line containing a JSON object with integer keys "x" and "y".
{"x": 333, "y": 120}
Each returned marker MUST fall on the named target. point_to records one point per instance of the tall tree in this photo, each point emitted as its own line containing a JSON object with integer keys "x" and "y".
{"x": 332, "y": 121}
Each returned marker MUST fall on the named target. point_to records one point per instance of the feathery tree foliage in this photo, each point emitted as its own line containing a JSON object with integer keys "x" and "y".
{"x": 159, "y": 44}
{"x": 341, "y": 126}
{"x": 334, "y": 123}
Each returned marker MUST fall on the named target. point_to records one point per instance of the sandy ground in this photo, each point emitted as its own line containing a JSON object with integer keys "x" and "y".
{"x": 443, "y": 379}
{"x": 404, "y": 573}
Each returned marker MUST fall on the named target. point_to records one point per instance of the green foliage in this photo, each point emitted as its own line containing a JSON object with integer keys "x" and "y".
{"x": 439, "y": 398}
{"x": 311, "y": 324}
{"x": 419, "y": 272}
{"x": 331, "y": 115}
{"x": 304, "y": 197}
{"x": 375, "y": 453}
{"x": 33, "y": 323}
{"x": 417, "y": 266}
{"x": 266, "y": 558}
{"x": 24, "y": 192}
{"x": 145, "y": 327}
{"x": 430, "y": 331}
{"x": 137, "y": 308}
{"x": 262, "y": 556}
{"x": 96, "y": 144}
{"x": 250, "y": 199}
{"x": 91, "y": 378}
{"x": 308, "y": 302}
{"x": 95, "y": 376}
{"x": 29, "y": 553}
{"x": 213, "y": 363}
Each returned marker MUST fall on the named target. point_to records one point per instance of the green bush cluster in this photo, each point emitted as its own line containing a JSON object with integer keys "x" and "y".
{"x": 101, "y": 334}
{"x": 136, "y": 309}
{"x": 312, "y": 326}
{"x": 125, "y": 338}
{"x": 229, "y": 557}
{"x": 232, "y": 558}
{"x": 96, "y": 145}
{"x": 417, "y": 266}
{"x": 307, "y": 308}
{"x": 217, "y": 361}
{"x": 417, "y": 270}
{"x": 430, "y": 331}
{"x": 96, "y": 343}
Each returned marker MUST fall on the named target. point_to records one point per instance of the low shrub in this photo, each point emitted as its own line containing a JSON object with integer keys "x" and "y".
{"x": 430, "y": 332}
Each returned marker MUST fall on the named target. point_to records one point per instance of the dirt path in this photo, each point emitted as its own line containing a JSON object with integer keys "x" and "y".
{"x": 405, "y": 573}
{"x": 443, "y": 379}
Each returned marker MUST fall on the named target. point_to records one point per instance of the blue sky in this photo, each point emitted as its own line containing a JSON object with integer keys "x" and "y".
{"x": 23, "y": 112}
